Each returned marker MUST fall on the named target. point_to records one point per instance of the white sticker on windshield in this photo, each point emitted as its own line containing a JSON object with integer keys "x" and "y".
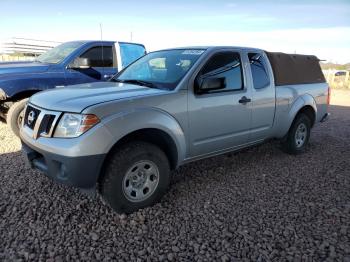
{"x": 193, "y": 52}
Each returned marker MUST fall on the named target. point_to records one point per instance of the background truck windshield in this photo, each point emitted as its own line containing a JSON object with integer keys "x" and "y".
{"x": 59, "y": 53}
{"x": 164, "y": 69}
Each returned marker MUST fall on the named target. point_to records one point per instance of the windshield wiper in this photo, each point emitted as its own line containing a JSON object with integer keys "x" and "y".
{"x": 135, "y": 81}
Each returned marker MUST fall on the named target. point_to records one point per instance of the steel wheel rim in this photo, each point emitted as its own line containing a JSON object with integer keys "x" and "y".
{"x": 140, "y": 181}
{"x": 300, "y": 135}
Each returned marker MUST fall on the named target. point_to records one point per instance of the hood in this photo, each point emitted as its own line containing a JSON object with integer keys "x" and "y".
{"x": 78, "y": 97}
{"x": 17, "y": 68}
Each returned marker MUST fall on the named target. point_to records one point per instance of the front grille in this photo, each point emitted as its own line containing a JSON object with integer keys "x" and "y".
{"x": 31, "y": 116}
{"x": 46, "y": 124}
{"x": 41, "y": 121}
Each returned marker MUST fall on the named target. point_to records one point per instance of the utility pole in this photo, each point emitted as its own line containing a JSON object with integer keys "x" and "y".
{"x": 130, "y": 36}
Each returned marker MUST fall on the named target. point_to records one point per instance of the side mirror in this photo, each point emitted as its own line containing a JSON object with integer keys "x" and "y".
{"x": 211, "y": 83}
{"x": 80, "y": 63}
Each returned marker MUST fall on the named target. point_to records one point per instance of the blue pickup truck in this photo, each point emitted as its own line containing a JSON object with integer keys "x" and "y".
{"x": 70, "y": 63}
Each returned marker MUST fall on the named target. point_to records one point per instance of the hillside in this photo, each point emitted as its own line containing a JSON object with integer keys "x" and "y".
{"x": 325, "y": 66}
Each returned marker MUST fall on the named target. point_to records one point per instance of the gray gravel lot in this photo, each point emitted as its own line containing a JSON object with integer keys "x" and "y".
{"x": 259, "y": 204}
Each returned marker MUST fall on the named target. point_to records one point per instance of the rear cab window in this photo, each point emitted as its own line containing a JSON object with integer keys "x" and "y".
{"x": 130, "y": 52}
{"x": 258, "y": 68}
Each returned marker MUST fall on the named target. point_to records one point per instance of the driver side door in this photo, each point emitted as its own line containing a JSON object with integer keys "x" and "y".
{"x": 220, "y": 119}
{"x": 101, "y": 60}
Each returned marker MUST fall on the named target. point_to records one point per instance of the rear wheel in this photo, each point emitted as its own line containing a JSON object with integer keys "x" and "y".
{"x": 15, "y": 116}
{"x": 137, "y": 176}
{"x": 298, "y": 135}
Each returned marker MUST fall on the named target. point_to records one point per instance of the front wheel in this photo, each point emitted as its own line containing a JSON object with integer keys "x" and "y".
{"x": 137, "y": 175}
{"x": 298, "y": 135}
{"x": 15, "y": 116}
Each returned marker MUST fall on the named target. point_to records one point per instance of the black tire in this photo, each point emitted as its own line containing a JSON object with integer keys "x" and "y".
{"x": 15, "y": 115}
{"x": 291, "y": 144}
{"x": 115, "y": 177}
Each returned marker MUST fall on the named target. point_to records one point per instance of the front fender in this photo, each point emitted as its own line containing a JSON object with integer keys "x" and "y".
{"x": 124, "y": 123}
{"x": 13, "y": 85}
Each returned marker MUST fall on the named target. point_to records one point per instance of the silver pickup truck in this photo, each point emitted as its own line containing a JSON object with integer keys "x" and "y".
{"x": 169, "y": 108}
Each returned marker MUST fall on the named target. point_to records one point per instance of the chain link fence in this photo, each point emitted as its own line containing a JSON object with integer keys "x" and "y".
{"x": 9, "y": 58}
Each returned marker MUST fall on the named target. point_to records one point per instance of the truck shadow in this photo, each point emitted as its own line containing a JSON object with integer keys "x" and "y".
{"x": 332, "y": 134}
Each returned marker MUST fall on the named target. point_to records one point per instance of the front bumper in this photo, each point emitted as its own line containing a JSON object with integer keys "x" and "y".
{"x": 73, "y": 161}
{"x": 81, "y": 172}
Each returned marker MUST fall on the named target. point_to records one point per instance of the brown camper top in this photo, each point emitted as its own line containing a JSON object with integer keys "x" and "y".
{"x": 293, "y": 69}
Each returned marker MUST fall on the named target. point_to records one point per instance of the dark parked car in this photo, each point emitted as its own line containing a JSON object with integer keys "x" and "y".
{"x": 340, "y": 73}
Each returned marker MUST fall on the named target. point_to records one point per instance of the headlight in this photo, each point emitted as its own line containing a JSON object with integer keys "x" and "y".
{"x": 73, "y": 125}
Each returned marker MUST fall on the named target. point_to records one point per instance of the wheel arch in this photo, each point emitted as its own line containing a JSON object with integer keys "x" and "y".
{"x": 290, "y": 142}
{"x": 309, "y": 111}
{"x": 23, "y": 94}
{"x": 304, "y": 104}
{"x": 154, "y": 136}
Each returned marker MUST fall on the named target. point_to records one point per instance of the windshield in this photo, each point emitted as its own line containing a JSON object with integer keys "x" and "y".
{"x": 161, "y": 69}
{"x": 57, "y": 54}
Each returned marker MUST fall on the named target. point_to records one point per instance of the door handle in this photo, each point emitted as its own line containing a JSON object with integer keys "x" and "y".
{"x": 244, "y": 100}
{"x": 107, "y": 76}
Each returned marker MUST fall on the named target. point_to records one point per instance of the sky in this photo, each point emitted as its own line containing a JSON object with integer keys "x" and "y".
{"x": 307, "y": 27}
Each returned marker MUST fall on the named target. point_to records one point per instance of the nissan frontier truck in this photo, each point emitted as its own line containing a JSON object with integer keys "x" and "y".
{"x": 171, "y": 107}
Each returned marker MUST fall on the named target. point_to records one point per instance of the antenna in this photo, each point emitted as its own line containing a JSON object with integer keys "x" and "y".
{"x": 130, "y": 36}
{"x": 103, "y": 60}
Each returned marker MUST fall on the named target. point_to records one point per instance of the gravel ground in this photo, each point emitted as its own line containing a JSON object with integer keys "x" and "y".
{"x": 259, "y": 204}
